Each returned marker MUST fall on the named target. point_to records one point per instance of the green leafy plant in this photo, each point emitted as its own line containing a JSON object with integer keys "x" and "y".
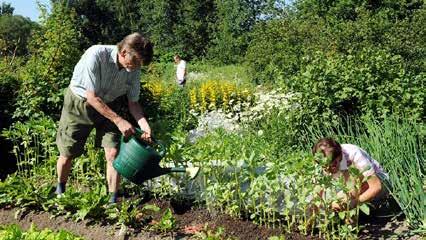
{"x": 14, "y": 232}
{"x": 277, "y": 238}
{"x": 167, "y": 222}
{"x": 126, "y": 213}
{"x": 54, "y": 51}
{"x": 211, "y": 234}
{"x": 33, "y": 142}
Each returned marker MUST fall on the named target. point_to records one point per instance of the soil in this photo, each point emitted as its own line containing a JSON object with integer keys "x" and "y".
{"x": 190, "y": 220}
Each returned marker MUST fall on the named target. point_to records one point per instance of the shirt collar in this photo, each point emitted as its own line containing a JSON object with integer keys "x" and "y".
{"x": 114, "y": 56}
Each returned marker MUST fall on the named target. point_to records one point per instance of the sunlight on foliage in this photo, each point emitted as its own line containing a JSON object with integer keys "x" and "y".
{"x": 14, "y": 232}
{"x": 214, "y": 94}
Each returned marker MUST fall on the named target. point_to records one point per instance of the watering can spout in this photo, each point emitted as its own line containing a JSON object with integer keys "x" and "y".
{"x": 139, "y": 161}
{"x": 192, "y": 172}
{"x": 156, "y": 171}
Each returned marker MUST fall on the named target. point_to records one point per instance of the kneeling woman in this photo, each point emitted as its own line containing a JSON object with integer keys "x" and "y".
{"x": 341, "y": 157}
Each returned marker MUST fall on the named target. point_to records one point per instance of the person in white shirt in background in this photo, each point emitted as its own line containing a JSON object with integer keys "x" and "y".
{"x": 180, "y": 71}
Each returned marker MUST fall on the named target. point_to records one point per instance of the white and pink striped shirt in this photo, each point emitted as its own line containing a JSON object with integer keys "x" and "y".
{"x": 356, "y": 156}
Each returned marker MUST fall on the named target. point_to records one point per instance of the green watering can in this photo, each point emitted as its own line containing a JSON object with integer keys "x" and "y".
{"x": 139, "y": 161}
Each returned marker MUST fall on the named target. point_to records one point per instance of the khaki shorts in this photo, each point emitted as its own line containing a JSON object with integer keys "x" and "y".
{"x": 77, "y": 121}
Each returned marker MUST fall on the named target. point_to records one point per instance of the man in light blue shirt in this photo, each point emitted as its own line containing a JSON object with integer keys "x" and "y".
{"x": 103, "y": 74}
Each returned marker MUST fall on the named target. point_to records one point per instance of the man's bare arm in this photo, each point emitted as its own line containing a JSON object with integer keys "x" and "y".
{"x": 99, "y": 105}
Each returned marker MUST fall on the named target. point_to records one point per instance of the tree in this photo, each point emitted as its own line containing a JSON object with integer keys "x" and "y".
{"x": 6, "y": 9}
{"x": 348, "y": 9}
{"x": 157, "y": 20}
{"x": 192, "y": 29}
{"x": 231, "y": 30}
{"x": 99, "y": 20}
{"x": 15, "y": 31}
{"x": 177, "y": 26}
{"x": 54, "y": 52}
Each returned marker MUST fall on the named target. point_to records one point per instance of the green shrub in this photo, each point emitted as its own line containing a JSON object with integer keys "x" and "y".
{"x": 371, "y": 56}
{"x": 33, "y": 142}
{"x": 277, "y": 48}
{"x": 372, "y": 83}
{"x": 15, "y": 31}
{"x": 8, "y": 84}
{"x": 54, "y": 52}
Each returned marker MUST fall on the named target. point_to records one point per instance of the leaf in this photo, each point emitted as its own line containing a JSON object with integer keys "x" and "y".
{"x": 342, "y": 215}
{"x": 151, "y": 207}
{"x": 365, "y": 209}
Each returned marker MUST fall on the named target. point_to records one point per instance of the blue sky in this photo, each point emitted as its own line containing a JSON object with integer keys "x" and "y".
{"x": 26, "y": 8}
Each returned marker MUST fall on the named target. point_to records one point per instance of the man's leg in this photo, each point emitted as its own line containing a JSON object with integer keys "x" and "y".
{"x": 108, "y": 136}
{"x": 113, "y": 178}
{"x": 63, "y": 167}
{"x": 74, "y": 128}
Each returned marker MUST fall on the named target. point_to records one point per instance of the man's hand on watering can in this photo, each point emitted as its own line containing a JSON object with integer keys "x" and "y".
{"x": 146, "y": 131}
{"x": 146, "y": 135}
{"x": 125, "y": 127}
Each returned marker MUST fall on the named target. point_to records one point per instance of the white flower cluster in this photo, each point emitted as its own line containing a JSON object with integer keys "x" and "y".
{"x": 196, "y": 75}
{"x": 212, "y": 120}
{"x": 268, "y": 101}
{"x": 243, "y": 112}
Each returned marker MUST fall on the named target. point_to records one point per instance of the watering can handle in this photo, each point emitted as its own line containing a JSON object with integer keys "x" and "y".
{"x": 162, "y": 152}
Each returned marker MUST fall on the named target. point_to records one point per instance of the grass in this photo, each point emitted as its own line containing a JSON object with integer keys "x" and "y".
{"x": 198, "y": 73}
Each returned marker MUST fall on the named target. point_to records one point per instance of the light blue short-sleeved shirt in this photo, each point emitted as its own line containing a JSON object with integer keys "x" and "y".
{"x": 98, "y": 71}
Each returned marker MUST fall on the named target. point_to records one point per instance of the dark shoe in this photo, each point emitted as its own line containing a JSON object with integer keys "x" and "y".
{"x": 60, "y": 189}
{"x": 113, "y": 197}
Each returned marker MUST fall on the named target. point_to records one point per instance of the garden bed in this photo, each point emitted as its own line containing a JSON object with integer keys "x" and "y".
{"x": 191, "y": 222}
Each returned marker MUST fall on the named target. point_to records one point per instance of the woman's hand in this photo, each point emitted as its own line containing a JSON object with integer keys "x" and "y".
{"x": 353, "y": 203}
{"x": 336, "y": 207}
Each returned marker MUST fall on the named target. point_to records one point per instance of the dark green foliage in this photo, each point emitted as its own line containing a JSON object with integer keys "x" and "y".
{"x": 8, "y": 85}
{"x": 157, "y": 20}
{"x": 234, "y": 20}
{"x": 278, "y": 46}
{"x": 361, "y": 57}
{"x": 368, "y": 82}
{"x": 103, "y": 21}
{"x": 15, "y": 32}
{"x": 6, "y": 9}
{"x": 178, "y": 26}
{"x": 54, "y": 53}
{"x": 349, "y": 9}
{"x": 192, "y": 31}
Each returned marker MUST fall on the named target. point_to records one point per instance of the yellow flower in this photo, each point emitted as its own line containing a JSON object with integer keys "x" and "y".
{"x": 193, "y": 98}
{"x": 214, "y": 94}
{"x": 157, "y": 89}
